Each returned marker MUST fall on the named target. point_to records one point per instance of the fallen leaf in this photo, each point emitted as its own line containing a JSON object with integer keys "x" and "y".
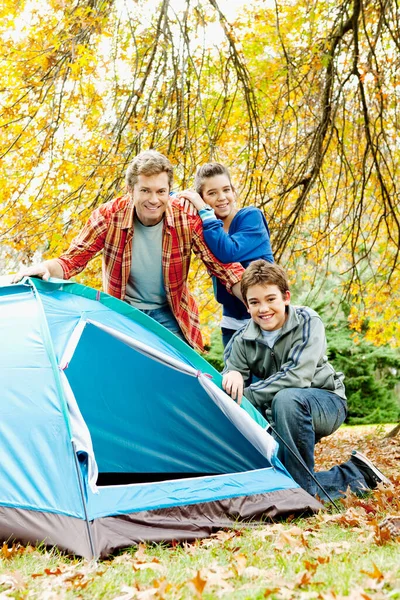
{"x": 74, "y": 577}
{"x": 14, "y": 581}
{"x": 269, "y": 591}
{"x": 56, "y": 572}
{"x": 376, "y": 573}
{"x": 128, "y": 593}
{"x": 198, "y": 583}
{"x": 216, "y": 576}
{"x": 323, "y": 559}
{"x": 154, "y": 565}
{"x": 310, "y": 566}
{"x": 294, "y": 541}
{"x": 239, "y": 563}
{"x": 224, "y": 536}
{"x": 9, "y": 553}
{"x": 162, "y": 586}
{"x": 141, "y": 554}
{"x": 253, "y": 572}
{"x": 303, "y": 579}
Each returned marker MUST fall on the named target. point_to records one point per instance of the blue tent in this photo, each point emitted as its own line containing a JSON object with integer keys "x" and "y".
{"x": 114, "y": 431}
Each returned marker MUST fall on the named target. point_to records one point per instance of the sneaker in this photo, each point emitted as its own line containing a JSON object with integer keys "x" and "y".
{"x": 372, "y": 475}
{"x": 392, "y": 524}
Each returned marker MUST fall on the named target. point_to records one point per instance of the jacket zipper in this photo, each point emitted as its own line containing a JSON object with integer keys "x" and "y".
{"x": 274, "y": 359}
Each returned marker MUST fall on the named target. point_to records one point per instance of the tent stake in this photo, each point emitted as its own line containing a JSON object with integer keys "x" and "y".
{"x": 303, "y": 464}
{"x": 83, "y": 500}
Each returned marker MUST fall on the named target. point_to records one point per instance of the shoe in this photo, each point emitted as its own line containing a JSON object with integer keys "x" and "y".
{"x": 372, "y": 475}
{"x": 392, "y": 524}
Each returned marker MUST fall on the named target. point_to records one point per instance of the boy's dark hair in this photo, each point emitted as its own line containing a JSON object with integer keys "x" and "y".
{"x": 209, "y": 170}
{"x": 261, "y": 272}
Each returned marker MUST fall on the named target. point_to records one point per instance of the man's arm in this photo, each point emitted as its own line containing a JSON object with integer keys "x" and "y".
{"x": 236, "y": 291}
{"x": 88, "y": 243}
{"x": 229, "y": 274}
{"x": 44, "y": 270}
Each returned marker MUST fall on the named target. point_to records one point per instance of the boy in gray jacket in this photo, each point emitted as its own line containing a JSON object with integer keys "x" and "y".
{"x": 299, "y": 391}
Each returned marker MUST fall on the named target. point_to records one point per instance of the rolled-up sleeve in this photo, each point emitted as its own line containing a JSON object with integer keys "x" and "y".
{"x": 228, "y": 273}
{"x": 86, "y": 245}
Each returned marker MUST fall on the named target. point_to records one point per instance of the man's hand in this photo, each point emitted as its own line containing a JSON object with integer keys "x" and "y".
{"x": 190, "y": 201}
{"x": 44, "y": 270}
{"x": 236, "y": 291}
{"x": 233, "y": 384}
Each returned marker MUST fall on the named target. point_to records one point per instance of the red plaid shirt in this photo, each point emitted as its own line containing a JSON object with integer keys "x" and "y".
{"x": 110, "y": 229}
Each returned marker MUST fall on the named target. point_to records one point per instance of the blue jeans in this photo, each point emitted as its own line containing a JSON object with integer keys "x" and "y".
{"x": 165, "y": 317}
{"x": 302, "y": 416}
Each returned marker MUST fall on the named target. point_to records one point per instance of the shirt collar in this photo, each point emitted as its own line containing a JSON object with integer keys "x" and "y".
{"x": 169, "y": 215}
{"x": 127, "y": 222}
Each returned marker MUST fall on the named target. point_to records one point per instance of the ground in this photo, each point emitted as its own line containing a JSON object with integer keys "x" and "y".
{"x": 329, "y": 556}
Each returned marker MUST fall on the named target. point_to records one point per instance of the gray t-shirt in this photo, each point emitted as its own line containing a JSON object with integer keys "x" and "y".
{"x": 145, "y": 288}
{"x": 271, "y": 336}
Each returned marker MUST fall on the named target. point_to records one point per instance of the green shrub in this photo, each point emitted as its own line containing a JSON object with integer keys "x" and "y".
{"x": 371, "y": 372}
{"x": 215, "y": 352}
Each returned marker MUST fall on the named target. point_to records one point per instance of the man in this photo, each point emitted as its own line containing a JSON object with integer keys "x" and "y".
{"x": 146, "y": 240}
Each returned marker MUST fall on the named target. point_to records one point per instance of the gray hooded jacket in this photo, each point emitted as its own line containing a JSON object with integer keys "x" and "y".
{"x": 297, "y": 360}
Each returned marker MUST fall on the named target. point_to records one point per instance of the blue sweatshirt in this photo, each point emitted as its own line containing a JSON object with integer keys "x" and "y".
{"x": 246, "y": 240}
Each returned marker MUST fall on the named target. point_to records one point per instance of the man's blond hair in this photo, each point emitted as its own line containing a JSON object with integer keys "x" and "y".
{"x": 148, "y": 163}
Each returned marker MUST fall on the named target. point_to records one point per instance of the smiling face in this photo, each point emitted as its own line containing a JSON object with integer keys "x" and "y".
{"x": 217, "y": 191}
{"x": 267, "y": 306}
{"x": 150, "y": 197}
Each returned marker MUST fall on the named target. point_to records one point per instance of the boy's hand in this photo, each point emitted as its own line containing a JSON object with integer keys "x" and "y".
{"x": 233, "y": 384}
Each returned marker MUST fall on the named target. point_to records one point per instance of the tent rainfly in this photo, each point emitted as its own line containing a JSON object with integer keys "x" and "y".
{"x": 114, "y": 431}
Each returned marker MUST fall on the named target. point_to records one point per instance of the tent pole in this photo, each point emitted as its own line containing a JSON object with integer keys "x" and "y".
{"x": 83, "y": 499}
{"x": 303, "y": 464}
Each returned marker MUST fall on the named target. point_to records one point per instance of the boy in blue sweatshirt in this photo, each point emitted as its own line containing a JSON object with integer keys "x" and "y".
{"x": 233, "y": 234}
{"x": 299, "y": 392}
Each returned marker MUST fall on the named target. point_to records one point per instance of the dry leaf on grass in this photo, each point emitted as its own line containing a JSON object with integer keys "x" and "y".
{"x": 136, "y": 592}
{"x": 198, "y": 584}
{"x": 141, "y": 553}
{"x": 14, "y": 581}
{"x": 253, "y": 572}
{"x": 335, "y": 547}
{"x": 154, "y": 565}
{"x": 375, "y": 574}
{"x": 128, "y": 593}
{"x": 239, "y": 563}
{"x": 56, "y": 572}
{"x": 9, "y": 553}
{"x": 269, "y": 591}
{"x": 293, "y": 537}
{"x": 217, "y": 576}
{"x": 311, "y": 567}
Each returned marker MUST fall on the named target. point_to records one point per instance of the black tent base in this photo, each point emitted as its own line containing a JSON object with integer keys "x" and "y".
{"x": 179, "y": 523}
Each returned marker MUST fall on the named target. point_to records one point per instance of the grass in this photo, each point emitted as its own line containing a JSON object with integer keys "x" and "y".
{"x": 328, "y": 556}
